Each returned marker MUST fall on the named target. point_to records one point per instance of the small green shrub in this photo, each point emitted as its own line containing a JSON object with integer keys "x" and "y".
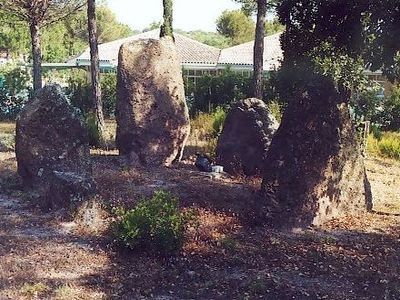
{"x": 390, "y": 114}
{"x": 389, "y": 145}
{"x": 219, "y": 117}
{"x": 386, "y": 145}
{"x": 14, "y": 90}
{"x": 95, "y": 137}
{"x": 155, "y": 224}
{"x": 276, "y": 109}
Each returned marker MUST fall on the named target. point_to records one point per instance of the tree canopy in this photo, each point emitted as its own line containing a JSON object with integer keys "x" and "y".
{"x": 236, "y": 26}
{"x": 341, "y": 38}
{"x": 63, "y": 39}
{"x": 42, "y": 12}
{"x": 249, "y": 7}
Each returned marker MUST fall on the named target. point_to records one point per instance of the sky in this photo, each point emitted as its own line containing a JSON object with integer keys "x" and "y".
{"x": 188, "y": 14}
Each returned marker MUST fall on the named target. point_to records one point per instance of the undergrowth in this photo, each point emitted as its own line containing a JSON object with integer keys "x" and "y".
{"x": 386, "y": 145}
{"x": 155, "y": 224}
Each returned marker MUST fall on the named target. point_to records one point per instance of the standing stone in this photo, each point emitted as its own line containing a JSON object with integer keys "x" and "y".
{"x": 315, "y": 170}
{"x": 245, "y": 138}
{"x": 152, "y": 115}
{"x": 52, "y": 149}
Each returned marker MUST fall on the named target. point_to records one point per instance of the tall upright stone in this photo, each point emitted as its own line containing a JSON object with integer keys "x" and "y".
{"x": 52, "y": 149}
{"x": 152, "y": 115}
{"x": 245, "y": 137}
{"x": 314, "y": 169}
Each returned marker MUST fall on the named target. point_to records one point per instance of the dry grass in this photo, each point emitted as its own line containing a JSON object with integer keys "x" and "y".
{"x": 7, "y": 127}
{"x": 225, "y": 256}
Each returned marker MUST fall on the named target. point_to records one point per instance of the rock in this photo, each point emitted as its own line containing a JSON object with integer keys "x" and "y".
{"x": 315, "y": 169}
{"x": 152, "y": 115}
{"x": 52, "y": 148}
{"x": 245, "y": 138}
{"x": 203, "y": 163}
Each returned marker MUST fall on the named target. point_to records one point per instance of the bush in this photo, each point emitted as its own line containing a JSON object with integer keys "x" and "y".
{"x": 385, "y": 145}
{"x": 390, "y": 114}
{"x": 78, "y": 91}
{"x": 211, "y": 92}
{"x": 14, "y": 90}
{"x": 276, "y": 109}
{"x": 389, "y": 145}
{"x": 155, "y": 224}
{"x": 218, "y": 116}
{"x": 208, "y": 125}
{"x": 365, "y": 105}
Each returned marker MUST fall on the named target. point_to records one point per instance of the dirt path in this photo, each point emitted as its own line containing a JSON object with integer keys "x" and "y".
{"x": 39, "y": 257}
{"x": 42, "y": 257}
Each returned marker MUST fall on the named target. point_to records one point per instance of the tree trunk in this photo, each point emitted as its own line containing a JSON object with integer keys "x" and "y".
{"x": 36, "y": 55}
{"x": 314, "y": 170}
{"x": 97, "y": 104}
{"x": 166, "y": 28}
{"x": 259, "y": 49}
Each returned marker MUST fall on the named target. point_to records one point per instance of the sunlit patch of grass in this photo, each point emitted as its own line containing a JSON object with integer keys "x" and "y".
{"x": 388, "y": 145}
{"x": 34, "y": 290}
{"x": 68, "y": 292}
{"x": 7, "y": 127}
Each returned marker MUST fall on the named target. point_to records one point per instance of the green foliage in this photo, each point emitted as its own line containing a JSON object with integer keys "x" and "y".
{"x": 383, "y": 112}
{"x": 236, "y": 26}
{"x": 249, "y": 7}
{"x": 338, "y": 39}
{"x": 389, "y": 145}
{"x": 166, "y": 27}
{"x": 386, "y": 144}
{"x": 209, "y": 125}
{"x": 209, "y": 38}
{"x": 152, "y": 26}
{"x": 109, "y": 94}
{"x": 390, "y": 115}
{"x": 211, "y": 92}
{"x": 14, "y": 35}
{"x": 346, "y": 71}
{"x": 273, "y": 26}
{"x": 78, "y": 91}
{"x": 14, "y": 90}
{"x": 155, "y": 224}
{"x": 219, "y": 116}
{"x": 366, "y": 104}
{"x": 64, "y": 39}
{"x": 205, "y": 130}
{"x": 276, "y": 109}
{"x": 95, "y": 137}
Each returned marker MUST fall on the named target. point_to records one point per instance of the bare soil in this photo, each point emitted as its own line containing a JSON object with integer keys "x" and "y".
{"x": 228, "y": 256}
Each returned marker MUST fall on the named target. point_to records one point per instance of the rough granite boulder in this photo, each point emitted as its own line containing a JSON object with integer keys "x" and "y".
{"x": 152, "y": 115}
{"x": 52, "y": 149}
{"x": 245, "y": 138}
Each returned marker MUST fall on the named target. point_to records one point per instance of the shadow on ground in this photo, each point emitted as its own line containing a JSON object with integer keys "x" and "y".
{"x": 225, "y": 258}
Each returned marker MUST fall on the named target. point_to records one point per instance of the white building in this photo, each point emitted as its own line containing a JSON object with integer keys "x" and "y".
{"x": 197, "y": 59}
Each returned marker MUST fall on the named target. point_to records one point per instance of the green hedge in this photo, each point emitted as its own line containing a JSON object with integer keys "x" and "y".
{"x": 14, "y": 90}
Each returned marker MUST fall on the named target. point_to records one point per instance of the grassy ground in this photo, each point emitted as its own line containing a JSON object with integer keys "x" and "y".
{"x": 226, "y": 257}
{"x": 7, "y": 127}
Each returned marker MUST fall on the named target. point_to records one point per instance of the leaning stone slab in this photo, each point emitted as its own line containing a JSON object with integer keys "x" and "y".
{"x": 152, "y": 115}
